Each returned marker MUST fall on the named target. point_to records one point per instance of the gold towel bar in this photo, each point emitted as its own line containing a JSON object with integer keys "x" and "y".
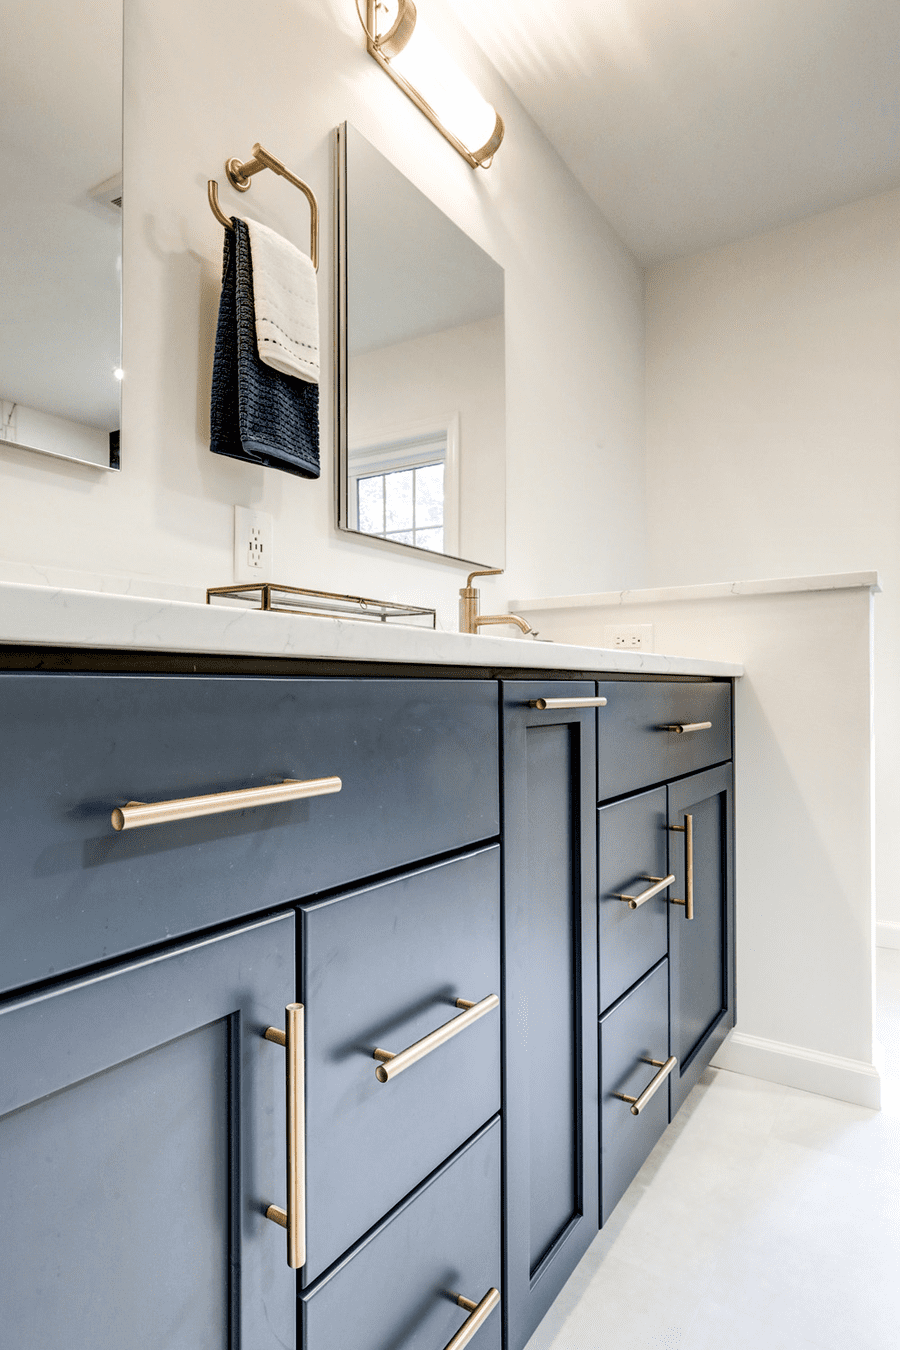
{"x": 239, "y": 177}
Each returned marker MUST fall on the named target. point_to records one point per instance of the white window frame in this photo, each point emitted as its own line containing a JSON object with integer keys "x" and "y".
{"x": 406, "y": 447}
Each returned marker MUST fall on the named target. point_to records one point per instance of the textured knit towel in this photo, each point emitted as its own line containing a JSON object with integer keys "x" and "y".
{"x": 258, "y": 414}
{"x": 286, "y": 301}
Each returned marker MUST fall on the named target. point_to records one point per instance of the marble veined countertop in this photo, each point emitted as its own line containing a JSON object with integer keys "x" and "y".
{"x": 51, "y": 616}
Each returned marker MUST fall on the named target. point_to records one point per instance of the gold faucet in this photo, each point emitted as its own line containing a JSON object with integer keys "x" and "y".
{"x": 470, "y": 620}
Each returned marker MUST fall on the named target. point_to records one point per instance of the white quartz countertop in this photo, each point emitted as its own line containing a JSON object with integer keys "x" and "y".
{"x": 47, "y": 616}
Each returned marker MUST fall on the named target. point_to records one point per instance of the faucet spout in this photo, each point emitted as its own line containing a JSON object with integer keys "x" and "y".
{"x": 503, "y": 618}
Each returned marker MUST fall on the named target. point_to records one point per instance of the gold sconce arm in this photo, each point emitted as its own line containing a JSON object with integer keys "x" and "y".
{"x": 385, "y": 47}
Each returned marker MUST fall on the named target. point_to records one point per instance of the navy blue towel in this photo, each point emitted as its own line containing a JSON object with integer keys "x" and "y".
{"x": 258, "y": 414}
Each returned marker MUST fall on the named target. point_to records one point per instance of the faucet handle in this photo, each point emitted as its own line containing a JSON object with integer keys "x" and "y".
{"x": 488, "y": 572}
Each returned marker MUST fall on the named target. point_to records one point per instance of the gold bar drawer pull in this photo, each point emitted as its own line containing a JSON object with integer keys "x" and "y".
{"x": 134, "y": 815}
{"x": 392, "y": 1064}
{"x": 680, "y": 728}
{"x": 665, "y": 1067}
{"x": 660, "y": 884}
{"x": 294, "y": 1217}
{"x": 687, "y": 829}
{"x": 548, "y": 703}
{"x": 478, "y": 1314}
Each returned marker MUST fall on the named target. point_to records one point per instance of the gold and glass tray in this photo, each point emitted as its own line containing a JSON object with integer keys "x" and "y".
{"x": 318, "y": 604}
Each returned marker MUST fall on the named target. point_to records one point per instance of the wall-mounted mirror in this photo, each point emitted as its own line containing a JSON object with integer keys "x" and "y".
{"x": 421, "y": 372}
{"x": 61, "y": 229}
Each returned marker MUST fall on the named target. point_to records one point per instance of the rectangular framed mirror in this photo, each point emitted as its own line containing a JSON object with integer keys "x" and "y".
{"x": 61, "y": 230}
{"x": 421, "y": 397}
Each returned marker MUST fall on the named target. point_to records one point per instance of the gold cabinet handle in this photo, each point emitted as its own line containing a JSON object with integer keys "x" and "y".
{"x": 294, "y": 1217}
{"x": 687, "y": 829}
{"x": 680, "y": 728}
{"x": 665, "y": 1067}
{"x": 134, "y": 815}
{"x": 635, "y": 901}
{"x": 478, "y": 1314}
{"x": 547, "y": 703}
{"x": 392, "y": 1064}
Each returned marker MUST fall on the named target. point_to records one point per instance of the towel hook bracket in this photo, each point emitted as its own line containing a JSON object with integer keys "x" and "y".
{"x": 239, "y": 173}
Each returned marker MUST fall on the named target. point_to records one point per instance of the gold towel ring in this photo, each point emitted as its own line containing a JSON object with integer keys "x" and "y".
{"x": 239, "y": 176}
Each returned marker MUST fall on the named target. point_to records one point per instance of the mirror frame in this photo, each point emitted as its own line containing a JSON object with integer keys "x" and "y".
{"x": 342, "y": 383}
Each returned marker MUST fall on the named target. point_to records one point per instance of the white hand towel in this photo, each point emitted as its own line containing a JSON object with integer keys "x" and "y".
{"x": 286, "y": 301}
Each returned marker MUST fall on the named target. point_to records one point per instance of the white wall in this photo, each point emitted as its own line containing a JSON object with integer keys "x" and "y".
{"x": 203, "y": 82}
{"x": 773, "y": 431}
{"x": 458, "y": 370}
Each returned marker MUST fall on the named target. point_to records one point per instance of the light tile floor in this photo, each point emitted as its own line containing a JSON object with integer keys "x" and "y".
{"x": 765, "y": 1219}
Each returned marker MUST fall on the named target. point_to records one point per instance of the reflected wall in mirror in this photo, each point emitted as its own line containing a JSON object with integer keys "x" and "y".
{"x": 420, "y": 366}
{"x": 61, "y": 229}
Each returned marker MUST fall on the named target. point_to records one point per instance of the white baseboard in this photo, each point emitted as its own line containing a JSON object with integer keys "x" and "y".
{"x": 849, "y": 1080}
{"x": 887, "y": 934}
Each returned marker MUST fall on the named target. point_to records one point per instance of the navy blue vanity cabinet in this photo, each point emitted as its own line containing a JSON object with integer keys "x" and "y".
{"x": 652, "y": 731}
{"x": 550, "y": 994}
{"x": 142, "y": 1135}
{"x": 634, "y": 1088}
{"x": 632, "y": 861}
{"x": 383, "y": 968}
{"x": 400, "y": 1287}
{"x": 417, "y": 760}
{"x": 666, "y": 906}
{"x": 701, "y": 948}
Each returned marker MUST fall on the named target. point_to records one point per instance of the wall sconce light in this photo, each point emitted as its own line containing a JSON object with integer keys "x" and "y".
{"x": 415, "y": 61}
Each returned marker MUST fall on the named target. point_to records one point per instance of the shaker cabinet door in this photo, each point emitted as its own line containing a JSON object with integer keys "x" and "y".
{"x": 550, "y": 995}
{"x": 701, "y": 936}
{"x": 382, "y": 968}
{"x": 142, "y": 1135}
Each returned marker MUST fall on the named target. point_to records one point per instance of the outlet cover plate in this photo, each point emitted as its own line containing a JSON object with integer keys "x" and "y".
{"x": 252, "y": 545}
{"x": 633, "y": 637}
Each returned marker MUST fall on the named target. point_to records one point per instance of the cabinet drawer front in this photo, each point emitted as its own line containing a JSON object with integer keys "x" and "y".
{"x": 417, "y": 760}
{"x": 383, "y": 968}
{"x": 635, "y": 1031}
{"x": 399, "y": 1288}
{"x": 632, "y": 857}
{"x": 634, "y": 749}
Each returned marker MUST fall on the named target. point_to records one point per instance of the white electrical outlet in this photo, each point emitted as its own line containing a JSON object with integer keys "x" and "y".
{"x": 252, "y": 545}
{"x": 635, "y": 637}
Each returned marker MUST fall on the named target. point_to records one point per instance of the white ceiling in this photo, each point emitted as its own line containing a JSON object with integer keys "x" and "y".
{"x": 692, "y": 123}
